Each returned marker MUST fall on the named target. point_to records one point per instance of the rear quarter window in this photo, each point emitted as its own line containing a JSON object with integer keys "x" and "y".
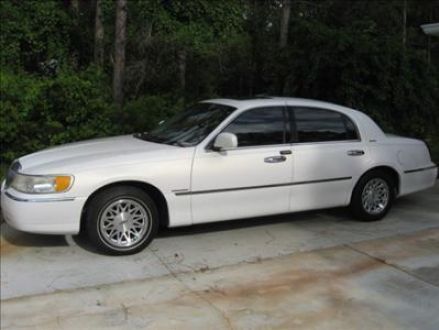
{"x": 321, "y": 125}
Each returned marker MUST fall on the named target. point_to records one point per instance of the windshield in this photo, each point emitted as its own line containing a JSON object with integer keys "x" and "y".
{"x": 189, "y": 127}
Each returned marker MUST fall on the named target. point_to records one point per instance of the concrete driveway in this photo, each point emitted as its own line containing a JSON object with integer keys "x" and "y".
{"x": 310, "y": 270}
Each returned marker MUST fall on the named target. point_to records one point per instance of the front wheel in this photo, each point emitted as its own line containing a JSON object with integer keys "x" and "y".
{"x": 373, "y": 196}
{"x": 121, "y": 220}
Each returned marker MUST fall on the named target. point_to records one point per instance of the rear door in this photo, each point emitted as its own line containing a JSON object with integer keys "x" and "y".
{"x": 250, "y": 180}
{"x": 328, "y": 154}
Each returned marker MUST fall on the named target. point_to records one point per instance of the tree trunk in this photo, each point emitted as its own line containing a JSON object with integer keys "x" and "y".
{"x": 284, "y": 23}
{"x": 430, "y": 16}
{"x": 75, "y": 5}
{"x": 119, "y": 51}
{"x": 99, "y": 35}
{"x": 428, "y": 50}
{"x": 404, "y": 24}
{"x": 181, "y": 58}
{"x": 283, "y": 40}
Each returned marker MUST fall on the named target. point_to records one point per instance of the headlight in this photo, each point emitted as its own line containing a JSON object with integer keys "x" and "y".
{"x": 41, "y": 184}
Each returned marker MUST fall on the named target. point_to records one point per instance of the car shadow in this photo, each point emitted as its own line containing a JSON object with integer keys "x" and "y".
{"x": 11, "y": 236}
{"x": 18, "y": 239}
{"x": 340, "y": 214}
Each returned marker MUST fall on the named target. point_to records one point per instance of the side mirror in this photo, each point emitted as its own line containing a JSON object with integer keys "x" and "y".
{"x": 225, "y": 141}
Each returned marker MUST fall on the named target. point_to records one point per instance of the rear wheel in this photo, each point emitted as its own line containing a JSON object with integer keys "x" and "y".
{"x": 121, "y": 220}
{"x": 373, "y": 196}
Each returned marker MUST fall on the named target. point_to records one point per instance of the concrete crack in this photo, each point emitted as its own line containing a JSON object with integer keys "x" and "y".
{"x": 272, "y": 238}
{"x": 196, "y": 293}
{"x": 125, "y": 312}
{"x": 394, "y": 266}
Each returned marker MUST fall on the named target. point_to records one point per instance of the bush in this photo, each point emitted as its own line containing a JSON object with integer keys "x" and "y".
{"x": 145, "y": 112}
{"x": 38, "y": 112}
{"x": 32, "y": 32}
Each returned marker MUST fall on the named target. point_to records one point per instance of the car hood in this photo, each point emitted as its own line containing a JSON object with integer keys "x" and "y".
{"x": 88, "y": 154}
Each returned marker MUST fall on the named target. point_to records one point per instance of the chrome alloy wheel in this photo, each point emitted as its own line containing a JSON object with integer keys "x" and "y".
{"x": 124, "y": 223}
{"x": 375, "y": 196}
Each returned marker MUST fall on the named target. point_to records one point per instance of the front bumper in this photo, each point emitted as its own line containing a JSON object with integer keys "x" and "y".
{"x": 43, "y": 215}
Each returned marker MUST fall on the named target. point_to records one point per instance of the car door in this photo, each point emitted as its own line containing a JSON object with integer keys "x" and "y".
{"x": 328, "y": 155}
{"x": 249, "y": 180}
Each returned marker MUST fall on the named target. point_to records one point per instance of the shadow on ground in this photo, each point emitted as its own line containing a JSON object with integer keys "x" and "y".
{"x": 341, "y": 215}
{"x": 10, "y": 236}
{"x": 18, "y": 238}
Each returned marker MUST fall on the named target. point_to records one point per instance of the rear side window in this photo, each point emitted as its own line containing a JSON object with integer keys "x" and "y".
{"x": 262, "y": 126}
{"x": 321, "y": 125}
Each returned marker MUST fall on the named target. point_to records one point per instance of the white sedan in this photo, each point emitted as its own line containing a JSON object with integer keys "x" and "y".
{"x": 218, "y": 160}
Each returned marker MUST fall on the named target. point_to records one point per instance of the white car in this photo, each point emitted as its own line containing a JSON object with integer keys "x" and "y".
{"x": 218, "y": 160}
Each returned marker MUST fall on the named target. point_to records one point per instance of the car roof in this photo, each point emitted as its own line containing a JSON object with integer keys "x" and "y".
{"x": 370, "y": 129}
{"x": 276, "y": 100}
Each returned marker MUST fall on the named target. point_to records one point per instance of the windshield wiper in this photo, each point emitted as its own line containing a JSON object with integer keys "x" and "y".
{"x": 178, "y": 143}
{"x": 147, "y": 137}
{"x": 153, "y": 138}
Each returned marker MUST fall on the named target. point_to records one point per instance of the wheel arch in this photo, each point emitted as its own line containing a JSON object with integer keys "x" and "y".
{"x": 385, "y": 168}
{"x": 150, "y": 189}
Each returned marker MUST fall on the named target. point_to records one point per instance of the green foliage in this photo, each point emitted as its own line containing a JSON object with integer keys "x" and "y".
{"x": 39, "y": 112}
{"x": 433, "y": 142}
{"x": 145, "y": 112}
{"x": 3, "y": 171}
{"x": 366, "y": 70}
{"x": 196, "y": 24}
{"x": 349, "y": 52}
{"x": 32, "y": 32}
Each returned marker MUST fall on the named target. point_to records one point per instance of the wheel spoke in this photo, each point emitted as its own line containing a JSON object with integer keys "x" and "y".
{"x": 124, "y": 222}
{"x": 375, "y": 196}
{"x": 112, "y": 232}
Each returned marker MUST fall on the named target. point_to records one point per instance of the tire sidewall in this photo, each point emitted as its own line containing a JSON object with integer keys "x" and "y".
{"x": 356, "y": 201}
{"x": 99, "y": 203}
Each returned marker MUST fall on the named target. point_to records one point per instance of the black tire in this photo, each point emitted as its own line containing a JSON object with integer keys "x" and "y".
{"x": 356, "y": 206}
{"x": 99, "y": 203}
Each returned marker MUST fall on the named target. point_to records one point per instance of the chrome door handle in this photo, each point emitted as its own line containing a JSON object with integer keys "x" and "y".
{"x": 285, "y": 152}
{"x": 355, "y": 153}
{"x": 275, "y": 159}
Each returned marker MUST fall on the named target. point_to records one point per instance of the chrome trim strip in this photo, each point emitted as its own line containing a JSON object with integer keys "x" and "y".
{"x": 39, "y": 200}
{"x": 180, "y": 190}
{"x": 420, "y": 169}
{"x": 260, "y": 187}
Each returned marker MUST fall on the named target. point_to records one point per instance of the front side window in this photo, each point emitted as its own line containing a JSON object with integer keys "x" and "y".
{"x": 191, "y": 126}
{"x": 321, "y": 125}
{"x": 262, "y": 126}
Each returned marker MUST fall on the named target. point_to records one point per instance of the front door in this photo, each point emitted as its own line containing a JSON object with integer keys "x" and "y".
{"x": 251, "y": 180}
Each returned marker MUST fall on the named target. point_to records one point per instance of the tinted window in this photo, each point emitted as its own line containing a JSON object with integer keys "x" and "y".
{"x": 190, "y": 126}
{"x": 262, "y": 126}
{"x": 351, "y": 131}
{"x": 319, "y": 125}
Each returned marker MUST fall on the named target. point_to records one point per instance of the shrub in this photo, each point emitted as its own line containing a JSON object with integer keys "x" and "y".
{"x": 145, "y": 112}
{"x": 37, "y": 112}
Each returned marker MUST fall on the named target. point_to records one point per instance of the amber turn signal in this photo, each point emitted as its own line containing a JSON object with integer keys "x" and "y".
{"x": 62, "y": 183}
